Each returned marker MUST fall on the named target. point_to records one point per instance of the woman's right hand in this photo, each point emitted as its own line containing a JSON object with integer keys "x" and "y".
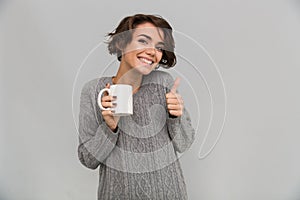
{"x": 107, "y": 102}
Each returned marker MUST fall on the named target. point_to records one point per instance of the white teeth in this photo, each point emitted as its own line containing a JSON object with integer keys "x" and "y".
{"x": 149, "y": 62}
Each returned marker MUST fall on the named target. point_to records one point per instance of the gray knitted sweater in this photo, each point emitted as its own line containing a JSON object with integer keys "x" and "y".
{"x": 140, "y": 160}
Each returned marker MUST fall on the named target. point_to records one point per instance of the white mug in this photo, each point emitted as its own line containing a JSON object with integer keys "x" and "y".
{"x": 124, "y": 99}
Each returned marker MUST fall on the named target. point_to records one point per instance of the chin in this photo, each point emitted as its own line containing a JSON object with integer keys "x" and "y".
{"x": 145, "y": 70}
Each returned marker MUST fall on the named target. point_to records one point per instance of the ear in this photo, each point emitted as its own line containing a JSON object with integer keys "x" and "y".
{"x": 119, "y": 46}
{"x": 119, "y": 51}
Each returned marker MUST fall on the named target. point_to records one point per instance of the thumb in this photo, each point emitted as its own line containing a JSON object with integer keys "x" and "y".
{"x": 107, "y": 85}
{"x": 176, "y": 84}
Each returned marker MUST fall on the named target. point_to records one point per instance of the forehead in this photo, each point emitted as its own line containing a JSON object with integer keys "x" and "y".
{"x": 149, "y": 29}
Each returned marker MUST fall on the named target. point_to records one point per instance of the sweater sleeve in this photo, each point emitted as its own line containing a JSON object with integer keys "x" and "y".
{"x": 181, "y": 131}
{"x": 96, "y": 139}
{"x": 180, "y": 128}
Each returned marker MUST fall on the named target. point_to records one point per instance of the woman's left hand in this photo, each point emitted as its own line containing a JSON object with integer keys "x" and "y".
{"x": 174, "y": 100}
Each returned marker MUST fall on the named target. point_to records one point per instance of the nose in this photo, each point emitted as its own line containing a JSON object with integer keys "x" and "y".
{"x": 150, "y": 51}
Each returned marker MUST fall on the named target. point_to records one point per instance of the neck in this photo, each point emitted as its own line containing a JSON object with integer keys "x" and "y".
{"x": 128, "y": 76}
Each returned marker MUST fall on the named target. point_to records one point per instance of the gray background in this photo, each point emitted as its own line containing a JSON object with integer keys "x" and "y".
{"x": 255, "y": 44}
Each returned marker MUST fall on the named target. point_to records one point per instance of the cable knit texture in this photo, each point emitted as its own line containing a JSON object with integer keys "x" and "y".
{"x": 140, "y": 160}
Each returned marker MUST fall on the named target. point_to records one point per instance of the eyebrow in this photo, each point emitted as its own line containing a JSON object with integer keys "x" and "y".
{"x": 149, "y": 38}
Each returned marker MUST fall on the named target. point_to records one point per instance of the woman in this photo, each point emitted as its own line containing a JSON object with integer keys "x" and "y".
{"x": 137, "y": 154}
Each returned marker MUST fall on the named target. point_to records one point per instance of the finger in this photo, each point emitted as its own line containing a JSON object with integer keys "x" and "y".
{"x": 170, "y": 95}
{"x": 175, "y": 101}
{"x": 106, "y": 104}
{"x": 176, "y": 84}
{"x": 172, "y": 101}
{"x": 107, "y": 112}
{"x": 107, "y": 85}
{"x": 108, "y": 98}
{"x": 173, "y": 96}
{"x": 174, "y": 107}
{"x": 175, "y": 113}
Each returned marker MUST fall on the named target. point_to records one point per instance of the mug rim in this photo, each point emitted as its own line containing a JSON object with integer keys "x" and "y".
{"x": 121, "y": 84}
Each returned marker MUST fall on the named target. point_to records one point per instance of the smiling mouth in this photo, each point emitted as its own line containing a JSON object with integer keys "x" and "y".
{"x": 145, "y": 61}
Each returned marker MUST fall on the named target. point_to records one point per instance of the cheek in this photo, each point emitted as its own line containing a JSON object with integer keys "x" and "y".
{"x": 131, "y": 52}
{"x": 130, "y": 56}
{"x": 159, "y": 56}
{"x": 131, "y": 48}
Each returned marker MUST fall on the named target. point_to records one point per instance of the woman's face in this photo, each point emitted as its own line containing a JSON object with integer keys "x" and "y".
{"x": 144, "y": 52}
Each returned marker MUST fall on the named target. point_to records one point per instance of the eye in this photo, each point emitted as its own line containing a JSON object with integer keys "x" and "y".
{"x": 142, "y": 41}
{"x": 160, "y": 49}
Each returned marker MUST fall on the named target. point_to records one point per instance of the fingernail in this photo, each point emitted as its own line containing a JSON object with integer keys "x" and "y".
{"x": 115, "y": 97}
{"x": 113, "y": 111}
{"x": 114, "y": 104}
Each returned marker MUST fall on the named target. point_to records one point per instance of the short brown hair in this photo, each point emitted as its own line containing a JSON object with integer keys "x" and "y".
{"x": 124, "y": 33}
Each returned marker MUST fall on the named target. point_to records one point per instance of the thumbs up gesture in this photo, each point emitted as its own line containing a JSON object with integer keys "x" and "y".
{"x": 174, "y": 100}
